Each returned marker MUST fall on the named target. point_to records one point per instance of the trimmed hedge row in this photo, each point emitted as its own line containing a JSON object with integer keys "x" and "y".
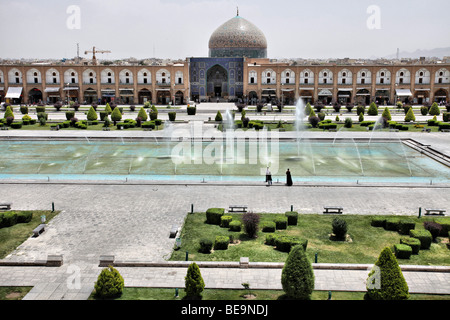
{"x": 285, "y": 243}
{"x": 8, "y": 219}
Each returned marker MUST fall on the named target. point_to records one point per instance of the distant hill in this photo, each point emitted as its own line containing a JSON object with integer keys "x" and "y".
{"x": 437, "y": 52}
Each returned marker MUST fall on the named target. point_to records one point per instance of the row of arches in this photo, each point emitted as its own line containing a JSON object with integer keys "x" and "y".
{"x": 90, "y": 76}
{"x": 345, "y": 76}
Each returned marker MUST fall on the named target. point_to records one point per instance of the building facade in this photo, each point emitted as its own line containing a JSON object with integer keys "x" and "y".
{"x": 237, "y": 69}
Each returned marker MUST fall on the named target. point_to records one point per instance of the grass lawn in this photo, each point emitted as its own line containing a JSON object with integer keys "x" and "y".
{"x": 12, "y": 237}
{"x": 366, "y": 244}
{"x": 227, "y": 294}
{"x": 13, "y": 293}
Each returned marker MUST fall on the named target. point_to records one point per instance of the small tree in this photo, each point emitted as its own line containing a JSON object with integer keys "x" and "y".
{"x": 361, "y": 117}
{"x": 386, "y": 281}
{"x": 297, "y": 276}
{"x": 251, "y": 221}
{"x": 339, "y": 228}
{"x": 9, "y": 113}
{"x": 108, "y": 108}
{"x": 142, "y": 114}
{"x": 348, "y": 123}
{"x": 434, "y": 110}
{"x": 218, "y": 116}
{"x": 373, "y": 109}
{"x": 386, "y": 114}
{"x": 116, "y": 115}
{"x": 109, "y": 283}
{"x": 193, "y": 281}
{"x": 91, "y": 115}
{"x": 410, "y": 116}
{"x": 308, "y": 108}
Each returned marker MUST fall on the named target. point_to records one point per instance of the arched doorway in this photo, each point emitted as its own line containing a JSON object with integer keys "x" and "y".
{"x": 34, "y": 95}
{"x": 90, "y": 96}
{"x": 163, "y": 97}
{"x": 217, "y": 81}
{"x": 362, "y": 97}
{"x": 421, "y": 96}
{"x": 307, "y": 96}
{"x": 441, "y": 96}
{"x": 252, "y": 98}
{"x": 179, "y": 98}
{"x": 144, "y": 96}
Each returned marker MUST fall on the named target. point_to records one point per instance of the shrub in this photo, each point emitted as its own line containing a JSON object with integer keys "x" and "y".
{"x": 433, "y": 227}
{"x": 250, "y": 221}
{"x": 108, "y": 108}
{"x": 434, "y": 110}
{"x": 405, "y": 225}
{"x": 373, "y": 109}
{"x": 348, "y": 123}
{"x": 314, "y": 121}
{"x": 24, "y": 216}
{"x": 213, "y": 215}
{"x": 40, "y": 109}
{"x": 225, "y": 221}
{"x": 205, "y": 245}
{"x": 292, "y": 217}
{"x": 410, "y": 116}
{"x": 308, "y": 109}
{"x": 443, "y": 125}
{"x": 221, "y": 243}
{"x": 286, "y": 243}
{"x": 367, "y": 123}
{"x": 386, "y": 114}
{"x": 424, "y": 110}
{"x": 91, "y": 115}
{"x": 16, "y": 125}
{"x": 361, "y": 117}
{"x": 412, "y": 242}
{"x": 297, "y": 276}
{"x": 8, "y": 219}
{"x": 153, "y": 115}
{"x": 116, "y": 115}
{"x": 9, "y": 113}
{"x": 270, "y": 239}
{"x": 149, "y": 125}
{"x": 24, "y": 109}
{"x": 339, "y": 228}
{"x": 235, "y": 226}
{"x": 281, "y": 222}
{"x": 193, "y": 282}
{"x": 446, "y": 117}
{"x": 172, "y": 116}
{"x": 268, "y": 226}
{"x": 386, "y": 282}
{"x": 424, "y": 236}
{"x": 218, "y": 116}
{"x": 392, "y": 224}
{"x": 445, "y": 224}
{"x": 70, "y": 115}
{"x": 109, "y": 283}
{"x": 191, "y": 111}
{"x": 360, "y": 110}
{"x": 402, "y": 251}
{"x": 378, "y": 222}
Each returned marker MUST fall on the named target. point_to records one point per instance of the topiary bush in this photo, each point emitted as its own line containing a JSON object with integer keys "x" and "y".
{"x": 424, "y": 110}
{"x": 392, "y": 224}
{"x": 297, "y": 276}
{"x": 235, "y": 226}
{"x": 434, "y": 110}
{"x": 445, "y": 224}
{"x": 221, "y": 243}
{"x": 410, "y": 116}
{"x": 172, "y": 116}
{"x": 91, "y": 115}
{"x": 193, "y": 282}
{"x": 213, "y": 215}
{"x": 378, "y": 222}
{"x": 205, "y": 245}
{"x": 191, "y": 111}
{"x": 386, "y": 281}
{"x": 8, "y": 219}
{"x": 373, "y": 109}
{"x": 433, "y": 227}
{"x": 268, "y": 226}
{"x": 412, "y": 242}
{"x": 109, "y": 283}
{"x": 225, "y": 221}
{"x": 16, "y": 125}
{"x": 348, "y": 123}
{"x": 339, "y": 228}
{"x": 285, "y": 243}
{"x": 405, "y": 225}
{"x": 281, "y": 223}
{"x": 424, "y": 236}
{"x": 24, "y": 216}
{"x": 250, "y": 221}
{"x": 270, "y": 239}
{"x": 402, "y": 251}
{"x": 292, "y": 217}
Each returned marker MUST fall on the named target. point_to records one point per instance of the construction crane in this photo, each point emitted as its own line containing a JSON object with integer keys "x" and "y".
{"x": 94, "y": 51}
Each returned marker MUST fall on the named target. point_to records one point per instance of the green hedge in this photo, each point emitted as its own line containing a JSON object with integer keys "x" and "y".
{"x": 445, "y": 224}
{"x": 235, "y": 226}
{"x": 205, "y": 245}
{"x": 8, "y": 219}
{"x": 405, "y": 225}
{"x": 16, "y": 125}
{"x": 213, "y": 215}
{"x": 281, "y": 223}
{"x": 378, "y": 222}
{"x": 268, "y": 226}
{"x": 402, "y": 251}
{"x": 412, "y": 242}
{"x": 225, "y": 221}
{"x": 148, "y": 125}
{"x": 270, "y": 239}
{"x": 285, "y": 243}
{"x": 292, "y": 217}
{"x": 392, "y": 224}
{"x": 424, "y": 236}
{"x": 221, "y": 243}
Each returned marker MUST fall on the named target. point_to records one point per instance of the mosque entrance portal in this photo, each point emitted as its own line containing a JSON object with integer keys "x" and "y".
{"x": 217, "y": 79}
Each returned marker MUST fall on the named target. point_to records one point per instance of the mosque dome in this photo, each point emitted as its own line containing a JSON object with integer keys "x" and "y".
{"x": 238, "y": 37}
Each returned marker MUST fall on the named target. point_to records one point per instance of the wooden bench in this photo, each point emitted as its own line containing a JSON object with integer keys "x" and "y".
{"x": 435, "y": 211}
{"x": 38, "y": 230}
{"x": 235, "y": 206}
{"x": 173, "y": 231}
{"x": 337, "y": 210}
{"x": 5, "y": 206}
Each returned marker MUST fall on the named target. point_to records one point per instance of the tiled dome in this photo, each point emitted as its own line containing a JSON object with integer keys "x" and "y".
{"x": 238, "y": 35}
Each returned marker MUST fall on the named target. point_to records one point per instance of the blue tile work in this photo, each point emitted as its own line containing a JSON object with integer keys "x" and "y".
{"x": 198, "y": 74}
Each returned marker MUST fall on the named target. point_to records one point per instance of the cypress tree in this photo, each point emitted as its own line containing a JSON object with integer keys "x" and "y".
{"x": 9, "y": 112}
{"x": 434, "y": 110}
{"x": 116, "y": 115}
{"x": 373, "y": 109}
{"x": 218, "y": 116}
{"x": 410, "y": 116}
{"x": 193, "y": 281}
{"x": 386, "y": 281}
{"x": 142, "y": 114}
{"x": 108, "y": 108}
{"x": 297, "y": 277}
{"x": 92, "y": 115}
{"x": 109, "y": 283}
{"x": 386, "y": 114}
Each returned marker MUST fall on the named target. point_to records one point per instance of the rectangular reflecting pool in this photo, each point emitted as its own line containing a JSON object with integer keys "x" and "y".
{"x": 320, "y": 161}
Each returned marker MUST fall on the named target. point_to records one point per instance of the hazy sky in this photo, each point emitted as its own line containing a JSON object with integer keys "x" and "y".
{"x": 181, "y": 28}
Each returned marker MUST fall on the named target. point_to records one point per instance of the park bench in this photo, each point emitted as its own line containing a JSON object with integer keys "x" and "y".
{"x": 337, "y": 210}
{"x": 445, "y": 130}
{"x": 5, "y": 206}
{"x": 53, "y": 127}
{"x": 234, "y": 208}
{"x": 4, "y": 128}
{"x": 173, "y": 231}
{"x": 435, "y": 211}
{"x": 106, "y": 129}
{"x": 38, "y": 230}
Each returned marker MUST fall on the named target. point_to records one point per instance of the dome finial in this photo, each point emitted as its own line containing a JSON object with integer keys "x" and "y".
{"x": 237, "y": 11}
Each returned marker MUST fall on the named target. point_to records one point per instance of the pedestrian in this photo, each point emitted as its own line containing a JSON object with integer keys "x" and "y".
{"x": 268, "y": 177}
{"x": 288, "y": 178}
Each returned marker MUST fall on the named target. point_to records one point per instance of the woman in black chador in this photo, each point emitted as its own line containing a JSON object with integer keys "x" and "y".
{"x": 288, "y": 178}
